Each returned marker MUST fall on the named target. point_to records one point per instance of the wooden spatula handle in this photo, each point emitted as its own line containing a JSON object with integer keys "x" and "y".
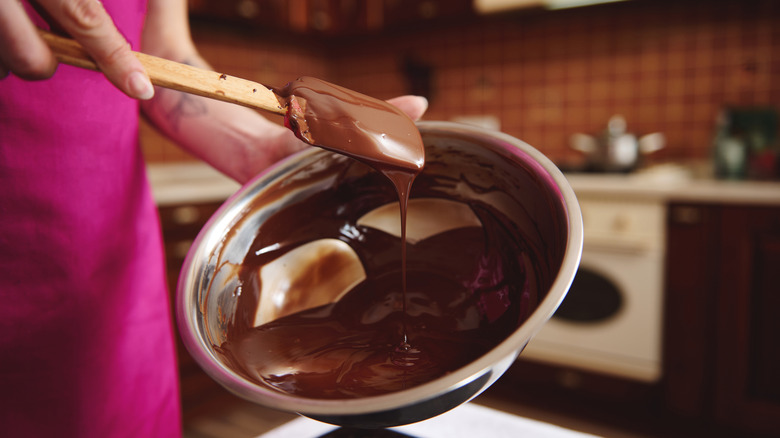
{"x": 178, "y": 76}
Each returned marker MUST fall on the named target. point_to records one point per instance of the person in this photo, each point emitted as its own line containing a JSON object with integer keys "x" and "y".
{"x": 86, "y": 338}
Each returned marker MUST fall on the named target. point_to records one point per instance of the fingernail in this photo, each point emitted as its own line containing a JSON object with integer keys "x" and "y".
{"x": 140, "y": 86}
{"x": 424, "y": 101}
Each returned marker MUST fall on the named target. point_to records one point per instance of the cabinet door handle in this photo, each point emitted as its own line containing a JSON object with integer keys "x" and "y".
{"x": 186, "y": 215}
{"x": 686, "y": 215}
{"x": 248, "y": 9}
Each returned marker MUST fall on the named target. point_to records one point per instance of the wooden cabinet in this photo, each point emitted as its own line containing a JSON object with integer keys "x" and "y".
{"x": 330, "y": 17}
{"x": 722, "y": 353}
{"x": 180, "y": 225}
{"x": 689, "y": 309}
{"x": 747, "y": 379}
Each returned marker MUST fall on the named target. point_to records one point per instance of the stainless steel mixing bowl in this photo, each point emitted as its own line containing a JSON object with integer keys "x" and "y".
{"x": 470, "y": 163}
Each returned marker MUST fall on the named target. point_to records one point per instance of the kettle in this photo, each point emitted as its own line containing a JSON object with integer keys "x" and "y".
{"x": 616, "y": 149}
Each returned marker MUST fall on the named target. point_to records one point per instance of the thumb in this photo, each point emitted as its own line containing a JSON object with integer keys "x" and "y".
{"x": 413, "y": 106}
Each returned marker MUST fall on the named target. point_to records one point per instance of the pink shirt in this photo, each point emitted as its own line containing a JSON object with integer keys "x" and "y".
{"x": 86, "y": 340}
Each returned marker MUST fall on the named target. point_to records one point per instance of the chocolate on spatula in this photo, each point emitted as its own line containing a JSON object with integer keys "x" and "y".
{"x": 345, "y": 121}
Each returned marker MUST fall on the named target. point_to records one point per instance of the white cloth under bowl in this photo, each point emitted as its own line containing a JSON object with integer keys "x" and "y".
{"x": 466, "y": 421}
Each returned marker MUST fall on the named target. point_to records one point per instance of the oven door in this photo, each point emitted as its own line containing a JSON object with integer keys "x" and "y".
{"x": 610, "y": 322}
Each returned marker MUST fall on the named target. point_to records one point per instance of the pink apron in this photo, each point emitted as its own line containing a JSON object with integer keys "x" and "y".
{"x": 86, "y": 339}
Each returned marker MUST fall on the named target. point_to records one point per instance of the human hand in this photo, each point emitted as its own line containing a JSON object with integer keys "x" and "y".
{"x": 413, "y": 106}
{"x": 26, "y": 55}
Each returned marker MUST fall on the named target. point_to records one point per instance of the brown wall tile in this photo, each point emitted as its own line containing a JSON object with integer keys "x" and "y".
{"x": 668, "y": 66}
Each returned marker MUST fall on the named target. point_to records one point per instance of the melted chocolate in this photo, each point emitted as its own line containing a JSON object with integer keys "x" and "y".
{"x": 353, "y": 124}
{"x": 458, "y": 307}
{"x": 362, "y": 127}
{"x": 458, "y": 294}
{"x": 359, "y": 126}
{"x": 468, "y": 289}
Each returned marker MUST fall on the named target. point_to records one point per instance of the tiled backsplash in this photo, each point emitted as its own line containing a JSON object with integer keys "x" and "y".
{"x": 667, "y": 66}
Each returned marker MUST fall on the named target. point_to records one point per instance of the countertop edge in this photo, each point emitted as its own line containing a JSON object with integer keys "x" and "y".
{"x": 196, "y": 182}
{"x": 188, "y": 183}
{"x": 710, "y": 191}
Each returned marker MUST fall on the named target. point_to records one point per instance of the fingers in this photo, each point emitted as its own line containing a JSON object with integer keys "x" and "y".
{"x": 413, "y": 106}
{"x": 22, "y": 51}
{"x": 88, "y": 23}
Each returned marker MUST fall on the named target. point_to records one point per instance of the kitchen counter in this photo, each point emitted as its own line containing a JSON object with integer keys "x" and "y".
{"x": 196, "y": 182}
{"x": 675, "y": 184}
{"x": 189, "y": 183}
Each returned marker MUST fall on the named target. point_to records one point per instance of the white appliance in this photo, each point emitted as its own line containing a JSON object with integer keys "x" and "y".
{"x": 611, "y": 321}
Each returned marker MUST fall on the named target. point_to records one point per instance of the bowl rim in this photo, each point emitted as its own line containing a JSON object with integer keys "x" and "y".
{"x": 510, "y": 347}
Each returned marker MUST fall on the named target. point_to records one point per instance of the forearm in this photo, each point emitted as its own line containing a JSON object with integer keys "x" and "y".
{"x": 237, "y": 141}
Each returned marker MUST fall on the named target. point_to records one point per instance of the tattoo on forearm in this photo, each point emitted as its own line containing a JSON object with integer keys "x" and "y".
{"x": 185, "y": 106}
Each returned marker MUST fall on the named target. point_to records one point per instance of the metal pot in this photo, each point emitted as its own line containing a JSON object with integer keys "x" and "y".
{"x": 616, "y": 149}
{"x": 509, "y": 174}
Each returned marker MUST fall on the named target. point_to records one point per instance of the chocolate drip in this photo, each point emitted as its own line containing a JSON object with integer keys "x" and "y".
{"x": 364, "y": 128}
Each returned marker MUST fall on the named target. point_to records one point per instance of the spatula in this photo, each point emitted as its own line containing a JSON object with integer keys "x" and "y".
{"x": 178, "y": 76}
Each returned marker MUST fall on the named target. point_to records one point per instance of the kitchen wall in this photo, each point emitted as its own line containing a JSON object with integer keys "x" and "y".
{"x": 667, "y": 66}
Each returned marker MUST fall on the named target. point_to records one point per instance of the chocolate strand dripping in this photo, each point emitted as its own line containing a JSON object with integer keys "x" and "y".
{"x": 364, "y": 128}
